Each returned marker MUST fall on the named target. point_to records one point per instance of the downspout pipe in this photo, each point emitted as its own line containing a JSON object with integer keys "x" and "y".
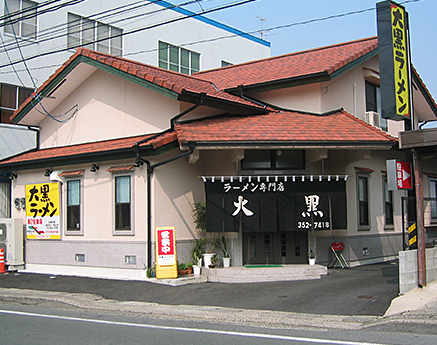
{"x": 150, "y": 169}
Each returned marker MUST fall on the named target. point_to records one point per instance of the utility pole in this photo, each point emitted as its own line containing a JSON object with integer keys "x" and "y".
{"x": 421, "y": 254}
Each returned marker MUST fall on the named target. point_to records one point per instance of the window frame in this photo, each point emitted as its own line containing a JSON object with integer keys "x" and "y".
{"x": 361, "y": 225}
{"x": 68, "y": 231}
{"x": 377, "y": 107}
{"x": 84, "y": 32}
{"x": 20, "y": 26}
{"x": 123, "y": 231}
{"x": 433, "y": 194}
{"x": 17, "y": 99}
{"x": 174, "y": 58}
{"x": 272, "y": 162}
{"x": 388, "y": 224}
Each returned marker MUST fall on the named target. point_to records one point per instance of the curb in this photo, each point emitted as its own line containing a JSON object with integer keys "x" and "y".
{"x": 193, "y": 313}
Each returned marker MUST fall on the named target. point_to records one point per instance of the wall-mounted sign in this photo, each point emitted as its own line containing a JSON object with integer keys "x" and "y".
{"x": 399, "y": 175}
{"x": 43, "y": 211}
{"x": 166, "y": 261}
{"x": 275, "y": 204}
{"x": 394, "y": 60}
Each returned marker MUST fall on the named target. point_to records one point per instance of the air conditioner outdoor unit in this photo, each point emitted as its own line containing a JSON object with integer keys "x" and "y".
{"x": 11, "y": 240}
{"x": 373, "y": 118}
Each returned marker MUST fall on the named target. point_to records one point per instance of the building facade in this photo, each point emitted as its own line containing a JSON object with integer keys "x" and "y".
{"x": 158, "y": 33}
{"x": 289, "y": 153}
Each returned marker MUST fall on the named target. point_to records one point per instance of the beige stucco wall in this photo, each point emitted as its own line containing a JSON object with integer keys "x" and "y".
{"x": 302, "y": 98}
{"x": 109, "y": 107}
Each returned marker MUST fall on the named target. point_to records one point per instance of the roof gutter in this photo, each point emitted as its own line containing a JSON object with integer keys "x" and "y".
{"x": 241, "y": 88}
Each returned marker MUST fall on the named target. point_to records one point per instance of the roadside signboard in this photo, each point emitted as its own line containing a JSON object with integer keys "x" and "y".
{"x": 43, "y": 211}
{"x": 166, "y": 262}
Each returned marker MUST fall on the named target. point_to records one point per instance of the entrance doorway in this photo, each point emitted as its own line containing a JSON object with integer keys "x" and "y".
{"x": 281, "y": 247}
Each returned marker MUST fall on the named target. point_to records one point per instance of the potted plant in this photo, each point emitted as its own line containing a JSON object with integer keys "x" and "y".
{"x": 203, "y": 246}
{"x": 182, "y": 269}
{"x": 190, "y": 268}
{"x": 214, "y": 261}
{"x": 312, "y": 257}
{"x": 226, "y": 253}
{"x": 197, "y": 251}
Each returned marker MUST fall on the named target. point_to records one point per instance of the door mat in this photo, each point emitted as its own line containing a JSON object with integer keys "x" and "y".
{"x": 260, "y": 266}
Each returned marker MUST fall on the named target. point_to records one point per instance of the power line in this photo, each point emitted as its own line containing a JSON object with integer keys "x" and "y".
{"x": 101, "y": 15}
{"x": 216, "y": 38}
{"x": 137, "y": 30}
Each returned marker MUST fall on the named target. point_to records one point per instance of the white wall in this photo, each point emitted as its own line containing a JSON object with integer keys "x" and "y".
{"x": 235, "y": 49}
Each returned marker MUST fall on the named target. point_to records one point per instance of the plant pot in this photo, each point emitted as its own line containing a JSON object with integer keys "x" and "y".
{"x": 182, "y": 272}
{"x": 190, "y": 270}
{"x": 196, "y": 270}
{"x": 312, "y": 261}
{"x": 226, "y": 262}
{"x": 207, "y": 259}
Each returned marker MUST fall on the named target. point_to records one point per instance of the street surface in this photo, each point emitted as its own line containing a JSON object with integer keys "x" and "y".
{"x": 41, "y": 325}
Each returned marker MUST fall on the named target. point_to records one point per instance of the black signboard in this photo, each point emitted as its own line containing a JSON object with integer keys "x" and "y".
{"x": 266, "y": 205}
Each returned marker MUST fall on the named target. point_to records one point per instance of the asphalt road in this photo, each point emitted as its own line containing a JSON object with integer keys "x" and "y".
{"x": 26, "y": 324}
{"x": 364, "y": 290}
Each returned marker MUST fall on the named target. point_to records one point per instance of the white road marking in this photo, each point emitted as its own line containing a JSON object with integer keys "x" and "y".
{"x": 194, "y": 330}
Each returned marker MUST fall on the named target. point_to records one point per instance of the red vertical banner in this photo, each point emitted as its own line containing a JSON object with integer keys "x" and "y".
{"x": 403, "y": 175}
{"x": 166, "y": 262}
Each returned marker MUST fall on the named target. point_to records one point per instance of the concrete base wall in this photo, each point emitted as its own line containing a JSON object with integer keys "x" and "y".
{"x": 362, "y": 249}
{"x": 408, "y": 275}
{"x": 103, "y": 254}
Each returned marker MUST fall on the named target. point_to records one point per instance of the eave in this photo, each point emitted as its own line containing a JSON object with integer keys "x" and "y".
{"x": 318, "y": 77}
{"x": 84, "y": 158}
{"x": 339, "y": 145}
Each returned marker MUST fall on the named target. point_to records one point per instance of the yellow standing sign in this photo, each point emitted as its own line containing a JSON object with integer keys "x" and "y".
{"x": 43, "y": 211}
{"x": 166, "y": 262}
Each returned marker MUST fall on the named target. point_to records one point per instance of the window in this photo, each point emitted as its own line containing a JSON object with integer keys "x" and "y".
{"x": 20, "y": 18}
{"x": 93, "y": 35}
{"x": 225, "y": 63}
{"x": 433, "y": 196}
{"x": 178, "y": 59}
{"x": 73, "y": 205}
{"x": 373, "y": 102}
{"x": 11, "y": 97}
{"x": 123, "y": 202}
{"x": 363, "y": 201}
{"x": 273, "y": 159}
{"x": 388, "y": 203}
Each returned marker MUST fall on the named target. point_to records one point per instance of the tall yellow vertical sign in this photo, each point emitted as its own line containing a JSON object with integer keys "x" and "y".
{"x": 43, "y": 211}
{"x": 166, "y": 262}
{"x": 401, "y": 62}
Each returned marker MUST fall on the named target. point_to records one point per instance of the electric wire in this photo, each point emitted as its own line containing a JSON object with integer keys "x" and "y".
{"x": 137, "y": 30}
{"x": 37, "y": 96}
{"x": 222, "y": 37}
{"x": 71, "y": 26}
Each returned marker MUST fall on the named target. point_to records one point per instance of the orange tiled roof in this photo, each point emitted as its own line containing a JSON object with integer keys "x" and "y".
{"x": 283, "y": 127}
{"x": 306, "y": 63}
{"x": 92, "y": 148}
{"x": 177, "y": 82}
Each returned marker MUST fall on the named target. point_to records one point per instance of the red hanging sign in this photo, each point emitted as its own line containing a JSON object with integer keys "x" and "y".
{"x": 403, "y": 175}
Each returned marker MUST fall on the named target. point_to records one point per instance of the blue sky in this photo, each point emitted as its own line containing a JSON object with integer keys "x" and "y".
{"x": 422, "y": 13}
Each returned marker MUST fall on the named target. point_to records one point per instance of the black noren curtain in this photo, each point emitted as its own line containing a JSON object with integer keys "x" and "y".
{"x": 265, "y": 206}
